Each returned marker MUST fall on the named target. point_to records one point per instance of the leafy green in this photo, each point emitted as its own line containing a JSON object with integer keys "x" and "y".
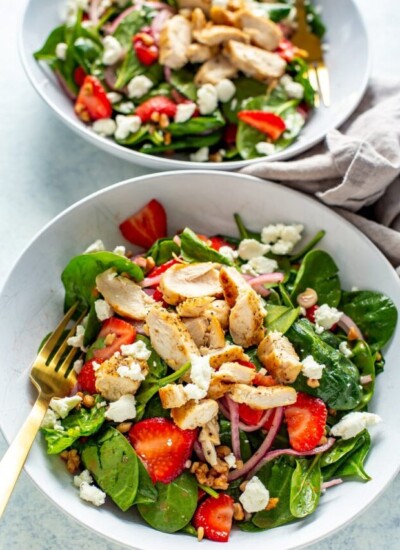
{"x": 298, "y": 70}
{"x": 364, "y": 361}
{"x": 305, "y": 488}
{"x": 244, "y": 232}
{"x": 346, "y": 458}
{"x": 194, "y": 249}
{"x": 86, "y": 51}
{"x": 245, "y": 87}
{"x": 308, "y": 246}
{"x": 182, "y": 80}
{"x": 175, "y": 505}
{"x": 133, "y": 139}
{"x": 146, "y": 491}
{"x": 78, "y": 423}
{"x": 314, "y": 20}
{"x": 132, "y": 67}
{"x": 79, "y": 277}
{"x": 48, "y": 51}
{"x": 320, "y": 272}
{"x": 226, "y": 439}
{"x": 130, "y": 25}
{"x": 353, "y": 467}
{"x": 157, "y": 366}
{"x": 163, "y": 250}
{"x": 374, "y": 313}
{"x": 281, "y": 318}
{"x": 92, "y": 327}
{"x": 339, "y": 386}
{"x": 197, "y": 125}
{"x": 190, "y": 142}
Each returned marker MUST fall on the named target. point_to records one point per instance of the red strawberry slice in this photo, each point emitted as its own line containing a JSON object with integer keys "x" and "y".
{"x": 119, "y": 333}
{"x": 158, "y": 104}
{"x": 215, "y": 516}
{"x": 248, "y": 415}
{"x": 305, "y": 421}
{"x": 145, "y": 226}
{"x": 163, "y": 447}
{"x": 87, "y": 378}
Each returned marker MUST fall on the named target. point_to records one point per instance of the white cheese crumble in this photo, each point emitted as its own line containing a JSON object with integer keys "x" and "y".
{"x": 281, "y": 248}
{"x": 194, "y": 392}
{"x": 64, "y": 405}
{"x": 354, "y": 423}
{"x": 84, "y": 477}
{"x": 104, "y": 127}
{"x": 201, "y": 155}
{"x": 113, "y": 50}
{"x": 92, "y": 494}
{"x": 77, "y": 366}
{"x": 225, "y": 90}
{"x": 326, "y": 317}
{"x": 265, "y": 148}
{"x": 77, "y": 340}
{"x": 231, "y": 461}
{"x": 184, "y": 111}
{"x": 97, "y": 246}
{"x": 345, "y": 349}
{"x": 259, "y": 266}
{"x": 271, "y": 233}
{"x": 123, "y": 409}
{"x": 255, "y": 497}
{"x": 311, "y": 369}
{"x": 133, "y": 371}
{"x": 126, "y": 108}
{"x": 138, "y": 350}
{"x": 114, "y": 97}
{"x": 139, "y": 86}
{"x": 280, "y": 233}
{"x": 228, "y": 252}
{"x": 200, "y": 372}
{"x": 250, "y": 248}
{"x": 126, "y": 125}
{"x": 51, "y": 420}
{"x": 120, "y": 250}
{"x": 95, "y": 366}
{"x": 61, "y": 51}
{"x": 207, "y": 99}
{"x": 103, "y": 310}
{"x": 293, "y": 89}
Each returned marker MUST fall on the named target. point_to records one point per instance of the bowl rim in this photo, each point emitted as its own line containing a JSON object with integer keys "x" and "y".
{"x": 164, "y": 163}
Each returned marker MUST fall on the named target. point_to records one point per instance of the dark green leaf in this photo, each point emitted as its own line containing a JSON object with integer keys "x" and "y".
{"x": 194, "y": 249}
{"x": 136, "y": 138}
{"x": 364, "y": 361}
{"x": 182, "y": 80}
{"x": 48, "y": 51}
{"x": 314, "y": 20}
{"x": 157, "y": 366}
{"x": 244, "y": 232}
{"x": 309, "y": 246}
{"x": 190, "y": 142}
{"x": 197, "y": 125}
{"x": 86, "y": 51}
{"x": 281, "y": 318}
{"x": 130, "y": 25}
{"x": 226, "y": 439}
{"x": 146, "y": 491}
{"x": 353, "y": 467}
{"x": 245, "y": 87}
{"x": 163, "y": 250}
{"x": 341, "y": 449}
{"x": 92, "y": 327}
{"x": 298, "y": 70}
{"x": 305, "y": 487}
{"x": 132, "y": 67}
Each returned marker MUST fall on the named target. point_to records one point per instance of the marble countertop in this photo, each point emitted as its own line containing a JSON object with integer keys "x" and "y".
{"x": 44, "y": 168}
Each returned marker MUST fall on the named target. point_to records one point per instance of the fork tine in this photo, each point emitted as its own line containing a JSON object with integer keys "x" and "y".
{"x": 55, "y": 336}
{"x": 323, "y": 80}
{"x": 65, "y": 368}
{"x": 56, "y": 359}
{"x": 313, "y": 78}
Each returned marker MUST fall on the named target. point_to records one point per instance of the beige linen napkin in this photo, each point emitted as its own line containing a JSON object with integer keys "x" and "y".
{"x": 356, "y": 170}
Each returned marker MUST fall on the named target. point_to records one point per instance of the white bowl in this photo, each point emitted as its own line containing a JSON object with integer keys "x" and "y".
{"x": 31, "y": 303}
{"x": 347, "y": 59}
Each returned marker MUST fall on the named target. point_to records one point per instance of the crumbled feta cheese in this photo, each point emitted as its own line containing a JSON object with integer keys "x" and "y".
{"x": 234, "y": 103}
{"x": 84, "y": 477}
{"x": 77, "y": 366}
{"x": 120, "y": 250}
{"x": 51, "y": 420}
{"x": 133, "y": 371}
{"x": 104, "y": 126}
{"x": 255, "y": 497}
{"x": 184, "y": 111}
{"x": 77, "y": 340}
{"x": 123, "y": 409}
{"x": 265, "y": 148}
{"x": 194, "y": 392}
{"x": 200, "y": 372}
{"x": 228, "y": 252}
{"x": 282, "y": 238}
{"x": 281, "y": 248}
{"x": 354, "y": 288}
{"x": 95, "y": 366}
{"x": 201, "y": 155}
{"x": 126, "y": 125}
{"x": 311, "y": 369}
{"x": 354, "y": 423}
{"x": 271, "y": 233}
{"x": 345, "y": 349}
{"x": 61, "y": 51}
{"x": 293, "y": 89}
{"x": 138, "y": 350}
{"x": 250, "y": 248}
{"x": 70, "y": 10}
{"x": 97, "y": 246}
{"x": 87, "y": 24}
{"x": 225, "y": 90}
{"x": 292, "y": 233}
{"x": 139, "y": 86}
{"x": 114, "y": 97}
{"x": 126, "y": 108}
{"x": 326, "y": 317}
{"x": 231, "y": 461}
{"x": 103, "y": 310}
{"x": 207, "y": 99}
{"x": 92, "y": 494}
{"x": 259, "y": 265}
{"x": 113, "y": 50}
{"x": 64, "y": 405}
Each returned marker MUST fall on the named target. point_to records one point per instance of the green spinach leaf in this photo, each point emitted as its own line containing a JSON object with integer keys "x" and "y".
{"x": 364, "y": 361}
{"x": 305, "y": 488}
{"x": 86, "y": 51}
{"x": 197, "y": 125}
{"x": 163, "y": 250}
{"x": 194, "y": 249}
{"x": 130, "y": 25}
{"x": 281, "y": 318}
{"x": 226, "y": 439}
{"x": 48, "y": 51}
{"x": 353, "y": 467}
{"x": 307, "y": 247}
{"x": 190, "y": 142}
{"x": 182, "y": 80}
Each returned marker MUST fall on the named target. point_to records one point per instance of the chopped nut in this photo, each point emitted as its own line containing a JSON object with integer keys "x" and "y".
{"x": 72, "y": 459}
{"x": 312, "y": 383}
{"x": 239, "y": 464}
{"x": 155, "y": 116}
{"x": 200, "y": 534}
{"x": 223, "y": 450}
{"x": 124, "y": 427}
{"x": 242, "y": 486}
{"x": 146, "y": 38}
{"x": 109, "y": 339}
{"x": 210, "y": 477}
{"x": 215, "y": 157}
{"x": 167, "y": 138}
{"x": 272, "y": 503}
{"x": 150, "y": 264}
{"x": 88, "y": 401}
{"x": 308, "y": 298}
{"x": 164, "y": 120}
{"x": 352, "y": 334}
{"x": 238, "y": 512}
{"x": 79, "y": 394}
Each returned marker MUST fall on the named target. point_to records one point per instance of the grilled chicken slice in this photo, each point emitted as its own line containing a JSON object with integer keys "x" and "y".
{"x": 255, "y": 62}
{"x": 194, "y": 307}
{"x": 175, "y": 38}
{"x": 263, "y": 32}
{"x": 279, "y": 357}
{"x": 183, "y": 281}
{"x": 218, "y": 388}
{"x": 204, "y": 5}
{"x": 227, "y": 354}
{"x": 246, "y": 321}
{"x": 198, "y": 327}
{"x": 208, "y": 438}
{"x": 232, "y": 284}
{"x": 199, "y": 20}
{"x": 235, "y": 374}
{"x": 214, "y": 70}
{"x": 170, "y": 338}
{"x": 172, "y": 396}
{"x": 215, "y": 335}
{"x": 109, "y": 382}
{"x": 259, "y": 397}
{"x": 193, "y": 415}
{"x": 219, "y": 34}
{"x": 199, "y": 53}
{"x": 124, "y": 295}
{"x": 220, "y": 310}
{"x": 221, "y": 16}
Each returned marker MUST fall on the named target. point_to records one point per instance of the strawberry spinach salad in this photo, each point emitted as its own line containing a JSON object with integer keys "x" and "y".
{"x": 229, "y": 373}
{"x": 215, "y": 81}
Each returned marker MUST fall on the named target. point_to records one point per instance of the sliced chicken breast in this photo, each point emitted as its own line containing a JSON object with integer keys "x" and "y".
{"x": 175, "y": 38}
{"x": 234, "y": 373}
{"x": 192, "y": 4}
{"x": 124, "y": 295}
{"x": 220, "y": 310}
{"x": 259, "y": 397}
{"x": 246, "y": 320}
{"x": 279, "y": 357}
{"x": 215, "y": 70}
{"x": 199, "y": 53}
{"x": 255, "y": 62}
{"x": 111, "y": 382}
{"x": 219, "y": 34}
{"x": 194, "y": 307}
{"x": 198, "y": 327}
{"x": 215, "y": 335}
{"x": 194, "y": 415}
{"x": 183, "y": 281}
{"x": 172, "y": 396}
{"x": 222, "y": 16}
{"x": 263, "y": 33}
{"x": 227, "y": 354}
{"x": 218, "y": 388}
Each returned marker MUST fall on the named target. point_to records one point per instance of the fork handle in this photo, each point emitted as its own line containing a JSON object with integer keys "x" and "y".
{"x": 14, "y": 459}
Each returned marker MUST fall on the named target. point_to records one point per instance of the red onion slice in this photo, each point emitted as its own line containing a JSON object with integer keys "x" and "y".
{"x": 365, "y": 379}
{"x": 331, "y": 483}
{"x": 151, "y": 281}
{"x": 224, "y": 408}
{"x": 111, "y": 28}
{"x": 199, "y": 451}
{"x": 158, "y": 23}
{"x": 275, "y": 277}
{"x": 346, "y": 323}
{"x": 248, "y": 428}
{"x": 234, "y": 414}
{"x": 64, "y": 86}
{"x": 94, "y": 11}
{"x": 261, "y": 290}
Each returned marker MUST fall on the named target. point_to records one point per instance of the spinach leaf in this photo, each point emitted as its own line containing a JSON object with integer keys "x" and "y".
{"x": 175, "y": 505}
{"x": 298, "y": 70}
{"x": 307, "y": 247}
{"x": 92, "y": 327}
{"x": 277, "y": 14}
{"x": 190, "y": 142}
{"x": 182, "y": 80}
{"x": 374, "y": 313}
{"x": 226, "y": 439}
{"x": 114, "y": 465}
{"x": 132, "y": 67}
{"x": 339, "y": 386}
{"x": 340, "y": 451}
{"x": 281, "y": 318}
{"x": 86, "y": 51}
{"x": 130, "y": 25}
{"x": 245, "y": 87}
{"x": 314, "y": 20}
{"x": 157, "y": 366}
{"x": 318, "y": 271}
{"x": 197, "y": 125}
{"x": 154, "y": 408}
{"x": 77, "y": 424}
{"x": 364, "y": 361}
{"x": 163, "y": 250}
{"x": 79, "y": 277}
{"x": 244, "y": 232}
{"x": 305, "y": 488}
{"x": 146, "y": 491}
{"x": 133, "y": 139}
{"x": 48, "y": 51}
{"x": 194, "y": 249}
{"x": 353, "y": 467}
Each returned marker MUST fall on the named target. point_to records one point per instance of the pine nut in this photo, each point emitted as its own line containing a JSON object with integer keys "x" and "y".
{"x": 308, "y": 298}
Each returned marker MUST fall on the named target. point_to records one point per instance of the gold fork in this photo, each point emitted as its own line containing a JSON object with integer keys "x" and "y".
{"x": 53, "y": 376}
{"x": 318, "y": 71}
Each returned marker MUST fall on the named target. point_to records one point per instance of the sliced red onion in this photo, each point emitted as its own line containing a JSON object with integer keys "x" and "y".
{"x": 199, "y": 451}
{"x": 365, "y": 379}
{"x": 149, "y": 291}
{"x": 111, "y": 28}
{"x": 234, "y": 414}
{"x": 331, "y": 483}
{"x": 258, "y": 456}
{"x": 158, "y": 23}
{"x": 261, "y": 290}
{"x": 110, "y": 77}
{"x": 151, "y": 281}
{"x": 167, "y": 74}
{"x": 275, "y": 277}
{"x": 346, "y": 323}
{"x": 224, "y": 408}
{"x": 248, "y": 428}
{"x": 139, "y": 327}
{"x": 94, "y": 11}
{"x": 140, "y": 261}
{"x": 64, "y": 86}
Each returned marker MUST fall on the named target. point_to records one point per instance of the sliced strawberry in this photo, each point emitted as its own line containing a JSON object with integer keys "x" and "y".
{"x": 218, "y": 242}
{"x": 310, "y": 313}
{"x": 286, "y": 49}
{"x": 230, "y": 132}
{"x": 160, "y": 269}
{"x": 79, "y": 76}
{"x": 145, "y": 226}
{"x": 305, "y": 421}
{"x": 248, "y": 364}
{"x": 248, "y": 415}
{"x": 145, "y": 47}
{"x": 265, "y": 380}
{"x": 92, "y": 102}
{"x": 163, "y": 447}
{"x": 268, "y": 123}
{"x": 117, "y": 332}
{"x": 158, "y": 104}
{"x": 87, "y": 378}
{"x": 215, "y": 516}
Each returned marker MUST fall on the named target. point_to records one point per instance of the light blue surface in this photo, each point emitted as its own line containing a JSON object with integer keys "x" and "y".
{"x": 44, "y": 168}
